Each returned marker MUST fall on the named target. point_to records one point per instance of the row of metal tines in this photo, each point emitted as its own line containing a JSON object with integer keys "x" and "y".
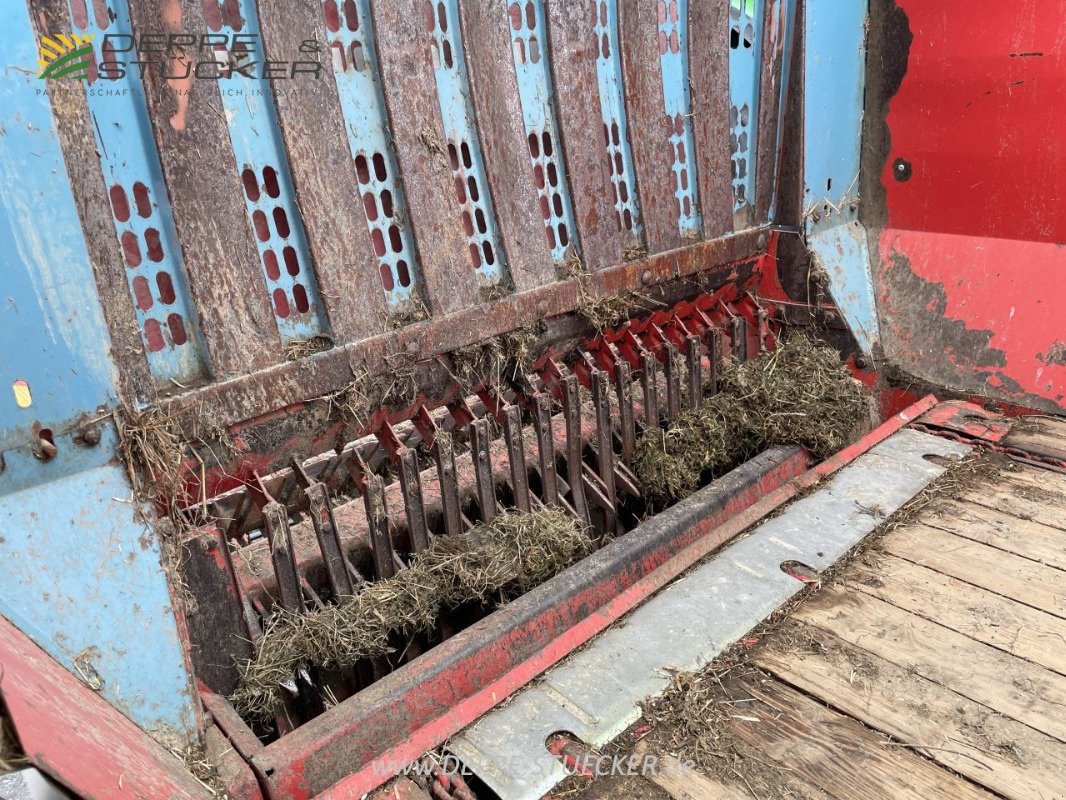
{"x": 579, "y": 456}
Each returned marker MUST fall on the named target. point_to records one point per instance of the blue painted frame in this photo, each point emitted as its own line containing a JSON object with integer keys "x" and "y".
{"x": 80, "y": 572}
{"x": 263, "y": 165}
{"x": 745, "y": 58}
{"x": 464, "y": 147}
{"x": 615, "y": 122}
{"x": 140, "y": 207}
{"x": 677, "y": 100}
{"x": 354, "y": 55}
{"x": 532, "y": 60}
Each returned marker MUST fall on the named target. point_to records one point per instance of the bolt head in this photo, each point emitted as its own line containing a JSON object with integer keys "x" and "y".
{"x": 646, "y": 277}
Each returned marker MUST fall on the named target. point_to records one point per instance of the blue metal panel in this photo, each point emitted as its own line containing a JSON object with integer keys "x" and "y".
{"x": 613, "y": 111}
{"x": 263, "y": 164}
{"x": 677, "y": 98}
{"x": 140, "y": 206}
{"x": 80, "y": 575}
{"x": 834, "y": 86}
{"x": 529, "y": 41}
{"x": 464, "y": 147}
{"x": 355, "y": 67}
{"x": 745, "y": 53}
{"x": 78, "y": 572}
{"x": 51, "y": 325}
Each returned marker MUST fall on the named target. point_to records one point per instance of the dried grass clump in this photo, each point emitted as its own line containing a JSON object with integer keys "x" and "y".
{"x": 496, "y": 362}
{"x": 157, "y": 445}
{"x": 11, "y": 755}
{"x": 300, "y": 348}
{"x": 500, "y": 559}
{"x": 798, "y": 394}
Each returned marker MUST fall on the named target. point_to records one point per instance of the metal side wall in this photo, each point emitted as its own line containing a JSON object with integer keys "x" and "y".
{"x": 80, "y": 573}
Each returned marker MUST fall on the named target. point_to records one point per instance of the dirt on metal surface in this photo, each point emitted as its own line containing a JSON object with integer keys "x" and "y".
{"x": 11, "y": 755}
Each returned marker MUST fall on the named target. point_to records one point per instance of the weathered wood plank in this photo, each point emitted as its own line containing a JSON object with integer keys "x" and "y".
{"x": 834, "y": 751}
{"x": 709, "y": 59}
{"x": 490, "y": 64}
{"x": 987, "y": 525}
{"x": 225, "y": 276}
{"x": 773, "y": 60}
{"x": 404, "y": 45}
{"x": 652, "y": 154}
{"x": 1015, "y": 688}
{"x": 573, "y": 48}
{"x": 992, "y": 750}
{"x": 1015, "y": 577}
{"x": 1029, "y": 493}
{"x": 74, "y": 125}
{"x": 1045, "y": 436}
{"x": 683, "y": 783}
{"x": 982, "y": 615}
{"x": 323, "y": 173}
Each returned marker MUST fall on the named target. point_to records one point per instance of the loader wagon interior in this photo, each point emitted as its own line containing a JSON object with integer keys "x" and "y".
{"x": 434, "y": 399}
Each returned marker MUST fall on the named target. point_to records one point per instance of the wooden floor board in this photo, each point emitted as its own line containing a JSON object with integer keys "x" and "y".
{"x": 1012, "y": 576}
{"x": 1030, "y": 493}
{"x": 1004, "y": 755}
{"x": 1019, "y": 689}
{"x": 836, "y": 752}
{"x": 989, "y": 526}
{"x": 978, "y": 613}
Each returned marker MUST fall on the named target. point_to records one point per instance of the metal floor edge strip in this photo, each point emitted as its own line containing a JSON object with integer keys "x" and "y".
{"x": 596, "y": 693}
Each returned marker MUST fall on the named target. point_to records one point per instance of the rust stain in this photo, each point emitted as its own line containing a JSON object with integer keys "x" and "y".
{"x": 179, "y": 65}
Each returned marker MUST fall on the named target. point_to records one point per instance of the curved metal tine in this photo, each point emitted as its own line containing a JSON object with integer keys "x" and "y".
{"x": 695, "y": 371}
{"x": 440, "y": 446}
{"x": 482, "y": 457}
{"x": 411, "y": 488}
{"x": 574, "y": 445}
{"x": 516, "y": 453}
{"x": 372, "y": 490}
{"x": 713, "y": 339}
{"x": 673, "y": 382}
{"x": 650, "y": 378}
{"x": 604, "y": 446}
{"x": 542, "y": 422}
{"x": 329, "y": 541}
{"x": 623, "y": 387}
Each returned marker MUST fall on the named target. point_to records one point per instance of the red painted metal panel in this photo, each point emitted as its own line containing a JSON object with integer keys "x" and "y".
{"x": 77, "y": 737}
{"x": 981, "y": 119}
{"x": 969, "y": 271}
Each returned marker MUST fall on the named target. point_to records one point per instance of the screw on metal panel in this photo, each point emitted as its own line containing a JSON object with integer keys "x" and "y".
{"x": 646, "y": 277}
{"x": 90, "y": 436}
{"x": 860, "y": 362}
{"x": 901, "y": 170}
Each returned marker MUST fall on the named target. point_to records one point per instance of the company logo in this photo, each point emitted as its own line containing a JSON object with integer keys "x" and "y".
{"x": 65, "y": 56}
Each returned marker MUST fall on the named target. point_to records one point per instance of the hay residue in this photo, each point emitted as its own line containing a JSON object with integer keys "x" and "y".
{"x": 497, "y": 362}
{"x": 606, "y": 312}
{"x": 301, "y": 348}
{"x": 11, "y": 755}
{"x": 159, "y": 447}
{"x": 798, "y": 394}
{"x": 492, "y": 561}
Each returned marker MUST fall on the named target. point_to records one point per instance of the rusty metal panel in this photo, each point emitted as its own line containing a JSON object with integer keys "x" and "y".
{"x": 648, "y": 124}
{"x": 708, "y": 23}
{"x": 575, "y": 48}
{"x": 503, "y": 139}
{"x": 404, "y": 46}
{"x": 209, "y": 213}
{"x": 777, "y": 30}
{"x": 323, "y": 173}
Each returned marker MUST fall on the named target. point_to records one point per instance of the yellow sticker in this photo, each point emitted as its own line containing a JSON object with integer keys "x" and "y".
{"x": 23, "y": 399}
